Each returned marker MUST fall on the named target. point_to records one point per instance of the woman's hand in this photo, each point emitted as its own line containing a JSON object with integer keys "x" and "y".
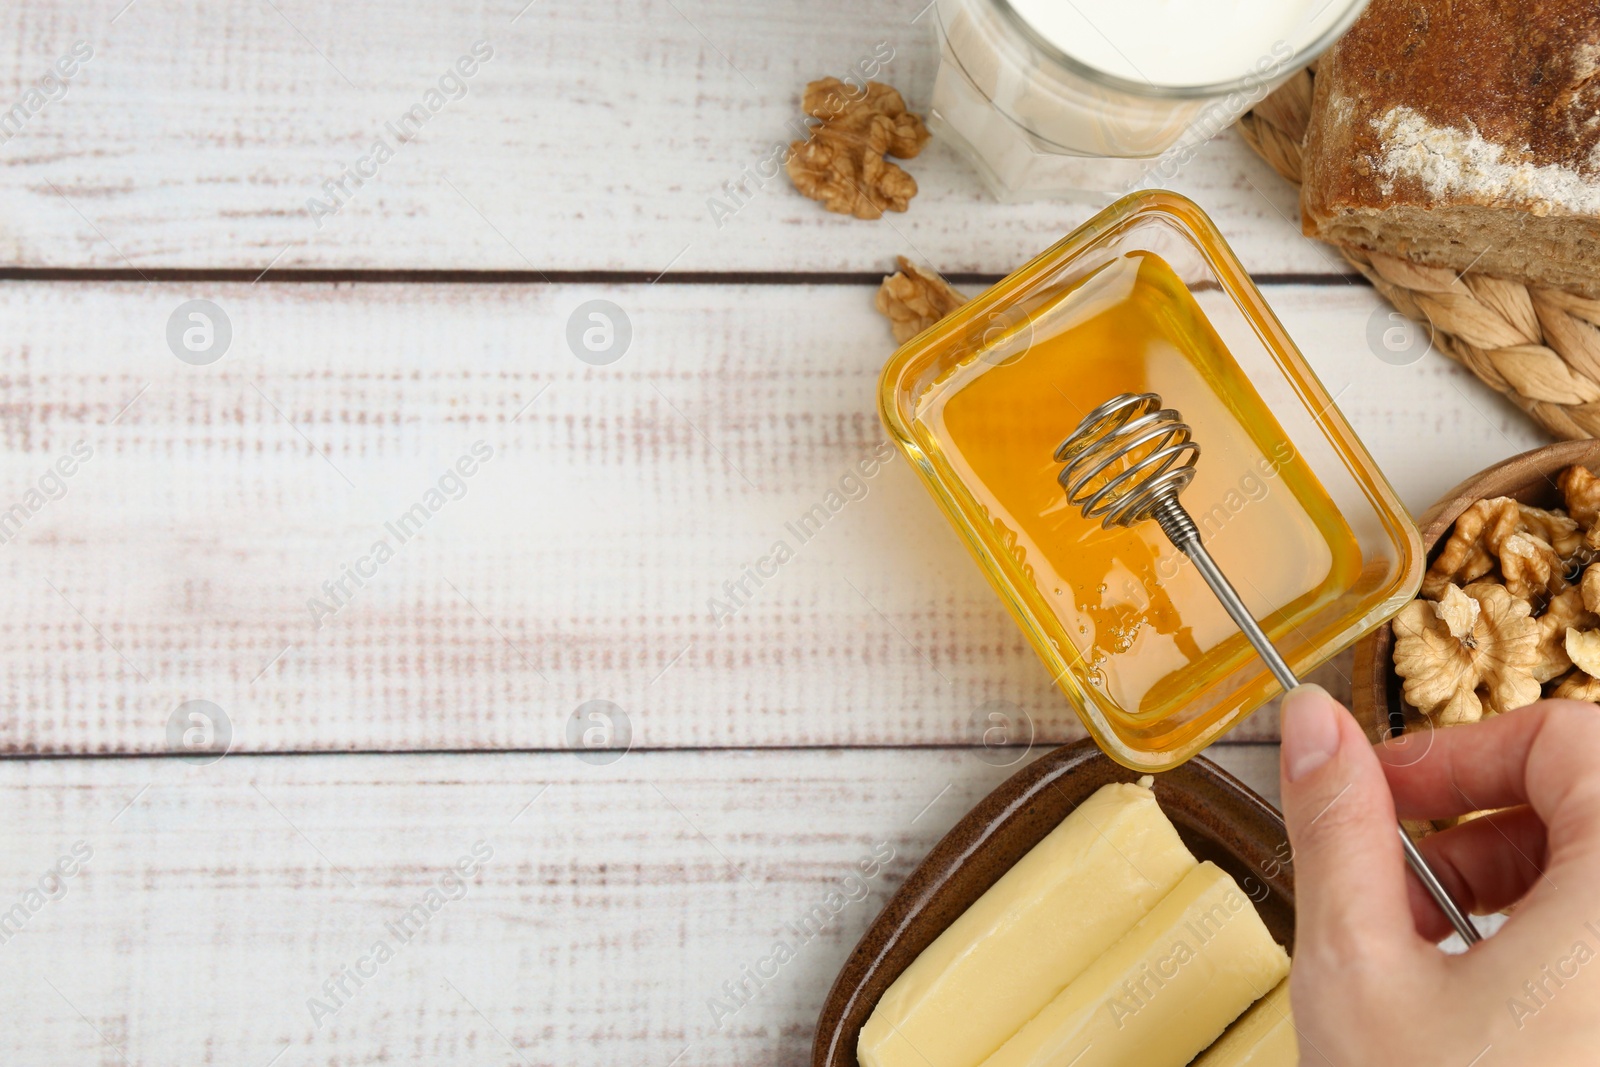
{"x": 1369, "y": 986}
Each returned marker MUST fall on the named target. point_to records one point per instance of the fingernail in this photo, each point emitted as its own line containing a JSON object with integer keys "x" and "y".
{"x": 1310, "y": 730}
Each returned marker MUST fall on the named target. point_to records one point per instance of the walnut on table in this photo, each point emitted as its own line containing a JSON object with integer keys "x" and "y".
{"x": 914, "y": 298}
{"x": 842, "y": 163}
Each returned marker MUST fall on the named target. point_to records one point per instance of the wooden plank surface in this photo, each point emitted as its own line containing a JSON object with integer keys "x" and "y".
{"x": 614, "y": 903}
{"x": 594, "y": 138}
{"x": 166, "y": 525}
{"x": 580, "y": 561}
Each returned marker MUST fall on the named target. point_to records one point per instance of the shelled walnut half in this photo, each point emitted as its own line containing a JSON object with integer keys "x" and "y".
{"x": 1582, "y": 649}
{"x": 841, "y": 163}
{"x": 1471, "y": 649}
{"x": 914, "y": 298}
{"x": 1536, "y": 540}
{"x": 1509, "y": 610}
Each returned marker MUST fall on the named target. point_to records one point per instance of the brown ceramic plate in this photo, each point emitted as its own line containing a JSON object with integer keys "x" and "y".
{"x": 1217, "y": 816}
{"x": 1530, "y": 478}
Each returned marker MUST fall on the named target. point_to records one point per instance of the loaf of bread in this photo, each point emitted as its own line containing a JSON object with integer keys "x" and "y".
{"x": 1463, "y": 134}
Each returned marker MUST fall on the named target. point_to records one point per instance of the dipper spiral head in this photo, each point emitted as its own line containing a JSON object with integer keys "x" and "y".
{"x": 1126, "y": 458}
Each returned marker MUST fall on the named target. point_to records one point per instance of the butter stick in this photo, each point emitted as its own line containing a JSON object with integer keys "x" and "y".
{"x": 1036, "y": 929}
{"x": 1264, "y": 1036}
{"x": 1163, "y": 993}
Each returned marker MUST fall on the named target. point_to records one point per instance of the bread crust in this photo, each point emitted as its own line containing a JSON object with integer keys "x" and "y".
{"x": 1463, "y": 133}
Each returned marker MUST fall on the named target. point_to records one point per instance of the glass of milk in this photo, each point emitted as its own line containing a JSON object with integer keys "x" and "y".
{"x": 1087, "y": 99}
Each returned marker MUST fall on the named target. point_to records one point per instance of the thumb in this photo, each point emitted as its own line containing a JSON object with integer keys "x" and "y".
{"x": 1350, "y": 888}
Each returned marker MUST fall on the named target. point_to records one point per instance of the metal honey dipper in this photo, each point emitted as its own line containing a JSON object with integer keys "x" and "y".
{"x": 1126, "y": 462}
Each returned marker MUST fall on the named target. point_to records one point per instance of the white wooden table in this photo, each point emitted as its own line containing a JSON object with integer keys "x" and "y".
{"x": 228, "y": 912}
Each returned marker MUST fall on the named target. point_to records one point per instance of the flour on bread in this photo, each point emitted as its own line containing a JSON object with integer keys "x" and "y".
{"x": 1452, "y": 162}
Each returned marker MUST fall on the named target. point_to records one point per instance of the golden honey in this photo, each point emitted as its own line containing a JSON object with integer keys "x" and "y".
{"x": 1126, "y": 623}
{"x": 1142, "y": 626}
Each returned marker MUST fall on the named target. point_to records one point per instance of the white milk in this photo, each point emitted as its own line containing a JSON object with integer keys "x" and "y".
{"x": 1171, "y": 42}
{"x": 1088, "y": 98}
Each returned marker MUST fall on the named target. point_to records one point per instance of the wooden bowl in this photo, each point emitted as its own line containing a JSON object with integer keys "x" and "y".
{"x": 1530, "y": 478}
{"x": 1216, "y": 815}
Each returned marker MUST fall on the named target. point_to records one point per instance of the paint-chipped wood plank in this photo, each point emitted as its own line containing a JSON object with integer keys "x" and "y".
{"x": 188, "y": 556}
{"x": 230, "y": 913}
{"x": 595, "y": 136}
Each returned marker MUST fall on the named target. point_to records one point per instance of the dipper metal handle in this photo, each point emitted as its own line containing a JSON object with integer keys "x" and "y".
{"x": 1126, "y": 462}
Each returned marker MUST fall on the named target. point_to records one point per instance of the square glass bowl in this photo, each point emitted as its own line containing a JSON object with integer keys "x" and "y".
{"x": 1146, "y": 297}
